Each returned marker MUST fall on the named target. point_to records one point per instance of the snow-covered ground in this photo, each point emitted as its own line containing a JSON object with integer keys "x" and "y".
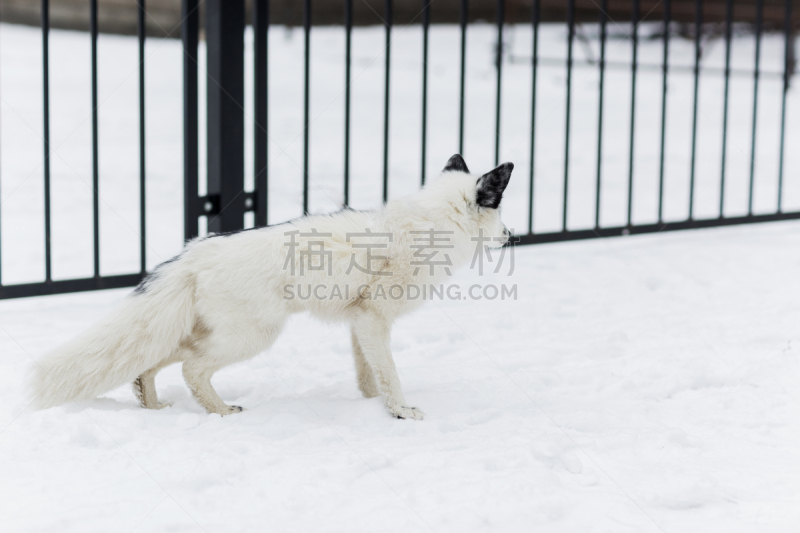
{"x": 21, "y": 211}
{"x": 639, "y": 384}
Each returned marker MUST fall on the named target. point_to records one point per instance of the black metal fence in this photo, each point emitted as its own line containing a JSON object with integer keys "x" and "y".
{"x": 226, "y": 202}
{"x": 49, "y": 285}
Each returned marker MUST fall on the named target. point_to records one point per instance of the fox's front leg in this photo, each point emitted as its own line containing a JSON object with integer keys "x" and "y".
{"x": 366, "y": 379}
{"x": 372, "y": 333}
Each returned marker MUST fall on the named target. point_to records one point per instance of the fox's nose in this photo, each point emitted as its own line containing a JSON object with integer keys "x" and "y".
{"x": 506, "y": 233}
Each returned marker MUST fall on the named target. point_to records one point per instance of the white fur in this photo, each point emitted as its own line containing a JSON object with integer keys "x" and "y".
{"x": 223, "y": 301}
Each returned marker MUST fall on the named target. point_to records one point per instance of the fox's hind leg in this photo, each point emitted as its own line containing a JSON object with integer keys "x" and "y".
{"x": 366, "y": 379}
{"x": 197, "y": 372}
{"x": 217, "y": 350}
{"x": 144, "y": 387}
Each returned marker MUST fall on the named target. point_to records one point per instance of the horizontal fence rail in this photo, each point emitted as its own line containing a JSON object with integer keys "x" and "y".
{"x": 224, "y": 205}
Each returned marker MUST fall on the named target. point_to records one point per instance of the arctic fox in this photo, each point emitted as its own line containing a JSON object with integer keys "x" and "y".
{"x": 226, "y": 297}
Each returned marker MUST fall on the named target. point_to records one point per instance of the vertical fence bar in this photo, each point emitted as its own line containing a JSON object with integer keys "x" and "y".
{"x": 635, "y": 48}
{"x": 534, "y": 69}
{"x": 665, "y": 73}
{"x": 501, "y": 13}
{"x": 95, "y": 167}
{"x": 387, "y": 69}
{"x": 570, "y": 39}
{"x": 787, "y": 58}
{"x": 140, "y": 30}
{"x": 698, "y": 28}
{"x": 260, "y": 109}
{"x": 348, "y": 23}
{"x": 189, "y": 35}
{"x": 306, "y": 96}
{"x": 46, "y": 134}
{"x": 462, "y": 18}
{"x": 225, "y": 81}
{"x": 426, "y": 21}
{"x": 759, "y": 23}
{"x": 603, "y": 21}
{"x": 728, "y": 34}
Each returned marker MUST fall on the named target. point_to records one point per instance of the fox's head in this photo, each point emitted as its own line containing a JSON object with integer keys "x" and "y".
{"x": 473, "y": 201}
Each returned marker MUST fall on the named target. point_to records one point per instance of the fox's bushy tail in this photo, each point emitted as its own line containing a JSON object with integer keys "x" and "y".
{"x": 146, "y": 329}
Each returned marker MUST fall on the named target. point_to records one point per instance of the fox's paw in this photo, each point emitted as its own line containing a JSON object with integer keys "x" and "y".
{"x": 401, "y": 411}
{"x": 229, "y": 410}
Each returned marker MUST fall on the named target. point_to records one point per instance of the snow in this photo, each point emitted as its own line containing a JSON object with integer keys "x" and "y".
{"x": 644, "y": 383}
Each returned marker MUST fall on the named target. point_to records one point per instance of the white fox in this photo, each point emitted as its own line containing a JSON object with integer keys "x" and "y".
{"x": 226, "y": 297}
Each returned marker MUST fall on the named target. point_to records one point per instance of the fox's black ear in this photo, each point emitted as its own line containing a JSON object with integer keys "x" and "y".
{"x": 490, "y": 187}
{"x": 456, "y": 164}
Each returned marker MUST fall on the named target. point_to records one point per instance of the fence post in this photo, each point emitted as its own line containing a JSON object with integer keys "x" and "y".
{"x": 189, "y": 36}
{"x": 225, "y": 82}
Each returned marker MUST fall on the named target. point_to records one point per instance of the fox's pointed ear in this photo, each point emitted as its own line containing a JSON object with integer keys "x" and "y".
{"x": 490, "y": 186}
{"x": 456, "y": 164}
